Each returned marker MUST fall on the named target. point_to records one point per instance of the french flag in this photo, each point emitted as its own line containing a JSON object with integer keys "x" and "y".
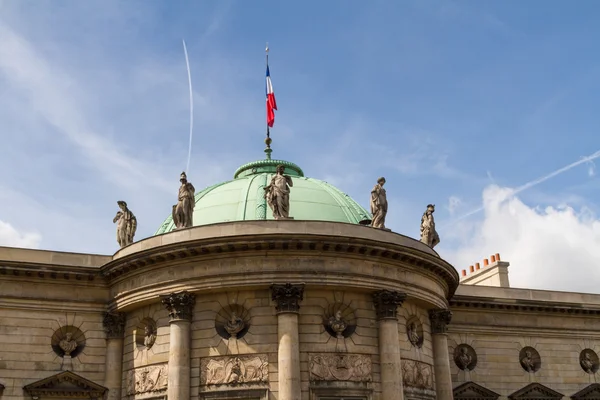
{"x": 271, "y": 104}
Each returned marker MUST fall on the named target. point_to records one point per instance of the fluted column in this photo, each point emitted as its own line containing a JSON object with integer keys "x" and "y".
{"x": 287, "y": 298}
{"x": 386, "y": 307}
{"x": 180, "y": 306}
{"x": 441, "y": 360}
{"x": 114, "y": 327}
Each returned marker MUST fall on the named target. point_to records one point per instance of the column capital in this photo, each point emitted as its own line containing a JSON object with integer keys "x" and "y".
{"x": 440, "y": 318}
{"x": 114, "y": 325}
{"x": 180, "y": 305}
{"x": 287, "y": 297}
{"x": 387, "y": 302}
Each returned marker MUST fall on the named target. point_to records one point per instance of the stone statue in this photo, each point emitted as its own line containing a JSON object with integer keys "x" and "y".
{"x": 379, "y": 204}
{"x": 278, "y": 194}
{"x": 464, "y": 358}
{"x": 429, "y": 235}
{"x": 413, "y": 335}
{"x": 68, "y": 344}
{"x": 235, "y": 325}
{"x": 183, "y": 211}
{"x": 126, "y": 224}
{"x": 587, "y": 363}
{"x": 337, "y": 324}
{"x": 527, "y": 362}
{"x": 149, "y": 336}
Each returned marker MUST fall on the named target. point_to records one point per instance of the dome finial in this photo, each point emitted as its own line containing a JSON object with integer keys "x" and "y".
{"x": 268, "y": 142}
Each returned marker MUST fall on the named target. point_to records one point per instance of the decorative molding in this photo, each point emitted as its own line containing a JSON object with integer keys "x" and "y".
{"x": 340, "y": 367}
{"x": 387, "y": 302}
{"x": 152, "y": 378}
{"x": 535, "y": 391}
{"x": 440, "y": 319}
{"x": 114, "y": 325}
{"x": 473, "y": 391}
{"x": 417, "y": 374}
{"x": 287, "y": 297}
{"x": 472, "y": 302}
{"x": 180, "y": 305}
{"x": 65, "y": 385}
{"x": 234, "y": 370}
{"x": 591, "y": 392}
{"x": 465, "y": 357}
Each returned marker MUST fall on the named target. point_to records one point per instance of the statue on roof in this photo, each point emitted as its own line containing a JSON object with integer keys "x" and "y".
{"x": 126, "y": 224}
{"x": 429, "y": 235}
{"x": 379, "y": 204}
{"x": 278, "y": 194}
{"x": 183, "y": 211}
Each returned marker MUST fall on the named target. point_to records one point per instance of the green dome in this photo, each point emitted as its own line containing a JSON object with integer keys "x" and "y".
{"x": 242, "y": 199}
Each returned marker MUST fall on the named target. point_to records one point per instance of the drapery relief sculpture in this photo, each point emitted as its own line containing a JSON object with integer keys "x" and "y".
{"x": 234, "y": 369}
{"x": 147, "y": 379}
{"x": 340, "y": 367}
{"x": 417, "y": 374}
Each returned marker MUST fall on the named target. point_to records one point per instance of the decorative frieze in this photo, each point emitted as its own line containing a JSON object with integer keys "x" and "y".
{"x": 234, "y": 370}
{"x": 114, "y": 325}
{"x": 340, "y": 367}
{"x": 417, "y": 374}
{"x": 152, "y": 378}
{"x": 180, "y": 305}
{"x": 287, "y": 297}
{"x": 440, "y": 319}
{"x": 387, "y": 302}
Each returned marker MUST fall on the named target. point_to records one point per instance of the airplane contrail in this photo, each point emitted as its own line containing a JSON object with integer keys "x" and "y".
{"x": 187, "y": 63}
{"x": 533, "y": 183}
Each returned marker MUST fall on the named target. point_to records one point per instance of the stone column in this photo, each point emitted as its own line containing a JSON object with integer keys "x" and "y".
{"x": 390, "y": 363}
{"x": 287, "y": 298}
{"x": 441, "y": 360}
{"x": 180, "y": 306}
{"x": 114, "y": 327}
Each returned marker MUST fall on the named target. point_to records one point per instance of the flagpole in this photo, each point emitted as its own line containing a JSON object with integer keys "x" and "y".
{"x": 268, "y": 140}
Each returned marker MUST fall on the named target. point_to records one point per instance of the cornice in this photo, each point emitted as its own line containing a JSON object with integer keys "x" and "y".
{"x": 520, "y": 305}
{"x": 286, "y": 244}
{"x": 28, "y": 271}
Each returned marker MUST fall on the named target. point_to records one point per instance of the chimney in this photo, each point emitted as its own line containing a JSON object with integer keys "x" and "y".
{"x": 493, "y": 273}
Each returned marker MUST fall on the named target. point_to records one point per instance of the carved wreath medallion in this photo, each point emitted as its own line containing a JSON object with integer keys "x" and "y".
{"x": 340, "y": 367}
{"x": 234, "y": 370}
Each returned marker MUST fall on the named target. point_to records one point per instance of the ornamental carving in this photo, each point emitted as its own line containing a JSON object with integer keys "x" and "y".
{"x": 340, "y": 367}
{"x": 530, "y": 359}
{"x": 145, "y": 333}
{"x": 114, "y": 325}
{"x": 153, "y": 378}
{"x": 387, "y": 302}
{"x": 232, "y": 322}
{"x": 414, "y": 331}
{"x": 287, "y": 297}
{"x": 465, "y": 357}
{"x": 234, "y": 370}
{"x": 417, "y": 374}
{"x": 68, "y": 341}
{"x": 439, "y": 320}
{"x": 588, "y": 359}
{"x": 180, "y": 305}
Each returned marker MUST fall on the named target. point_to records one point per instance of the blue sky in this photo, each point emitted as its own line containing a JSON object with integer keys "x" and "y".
{"x": 456, "y": 103}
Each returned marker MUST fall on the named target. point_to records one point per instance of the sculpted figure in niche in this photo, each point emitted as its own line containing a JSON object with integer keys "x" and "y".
{"x": 68, "y": 344}
{"x": 587, "y": 363}
{"x": 429, "y": 235}
{"x": 379, "y": 204}
{"x": 413, "y": 335}
{"x": 234, "y": 325}
{"x": 278, "y": 194}
{"x": 464, "y": 358}
{"x": 337, "y": 324}
{"x": 183, "y": 211}
{"x": 527, "y": 362}
{"x": 149, "y": 336}
{"x": 126, "y": 224}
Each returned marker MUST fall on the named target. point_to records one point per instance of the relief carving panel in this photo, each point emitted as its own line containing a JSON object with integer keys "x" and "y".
{"x": 417, "y": 374}
{"x": 147, "y": 379}
{"x": 340, "y": 367}
{"x": 237, "y": 369}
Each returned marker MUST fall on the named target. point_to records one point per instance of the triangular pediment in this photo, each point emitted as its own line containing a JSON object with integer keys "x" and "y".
{"x": 535, "y": 391}
{"x": 591, "y": 392}
{"x": 66, "y": 384}
{"x": 473, "y": 391}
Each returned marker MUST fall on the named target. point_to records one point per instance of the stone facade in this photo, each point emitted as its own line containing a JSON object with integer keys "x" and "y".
{"x": 318, "y": 310}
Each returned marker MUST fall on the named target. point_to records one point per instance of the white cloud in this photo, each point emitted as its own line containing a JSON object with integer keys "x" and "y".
{"x": 454, "y": 202}
{"x": 9, "y": 236}
{"x": 555, "y": 248}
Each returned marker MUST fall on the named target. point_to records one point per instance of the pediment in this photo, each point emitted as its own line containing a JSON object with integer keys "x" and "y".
{"x": 535, "y": 391}
{"x": 473, "y": 391}
{"x": 66, "y": 384}
{"x": 591, "y": 392}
